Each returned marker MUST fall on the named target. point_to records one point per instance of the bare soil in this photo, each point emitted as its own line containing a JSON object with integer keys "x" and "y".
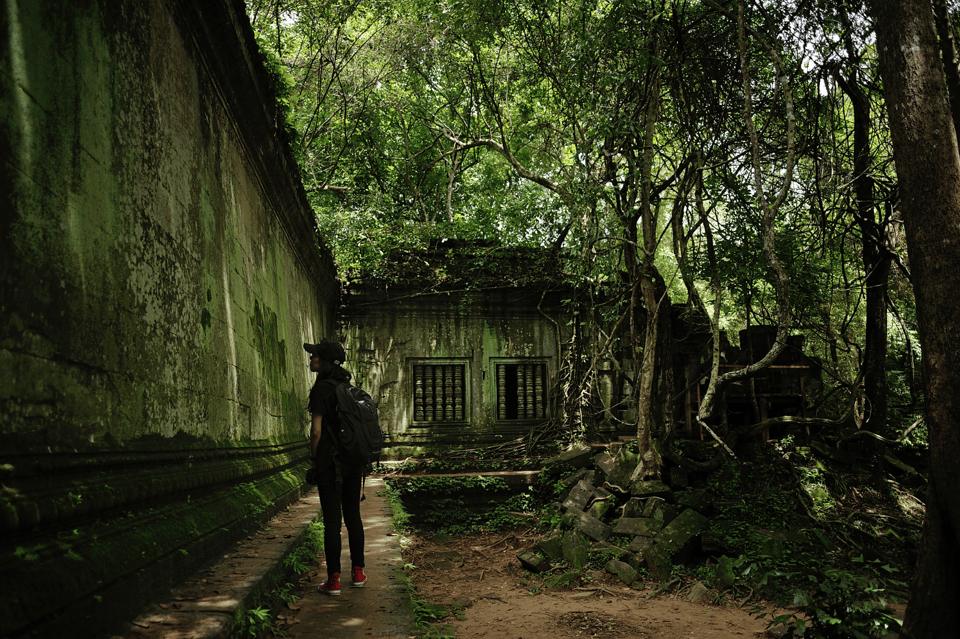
{"x": 482, "y": 575}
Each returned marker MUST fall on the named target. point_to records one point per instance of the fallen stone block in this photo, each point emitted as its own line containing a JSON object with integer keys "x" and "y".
{"x": 635, "y": 526}
{"x": 600, "y": 508}
{"x": 602, "y": 493}
{"x": 604, "y": 463}
{"x": 675, "y": 543}
{"x": 650, "y": 488}
{"x": 576, "y": 458}
{"x": 581, "y": 475}
{"x": 639, "y": 544}
{"x": 659, "y": 509}
{"x": 699, "y": 592}
{"x": 590, "y": 526}
{"x": 618, "y": 479}
{"x": 634, "y": 507}
{"x": 578, "y": 496}
{"x": 606, "y": 547}
{"x": 623, "y": 570}
{"x": 551, "y": 546}
{"x": 533, "y": 562}
{"x": 575, "y": 549}
{"x": 725, "y": 575}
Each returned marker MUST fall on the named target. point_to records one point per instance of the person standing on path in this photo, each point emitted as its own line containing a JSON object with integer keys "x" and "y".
{"x": 338, "y": 480}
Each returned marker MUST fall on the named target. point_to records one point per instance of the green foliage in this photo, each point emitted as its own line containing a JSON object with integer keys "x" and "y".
{"x": 282, "y": 87}
{"x": 304, "y": 556}
{"x": 255, "y": 622}
{"x": 755, "y": 494}
{"x": 829, "y": 602}
{"x": 440, "y": 503}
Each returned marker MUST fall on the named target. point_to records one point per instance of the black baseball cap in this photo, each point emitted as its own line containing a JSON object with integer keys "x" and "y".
{"x": 329, "y": 349}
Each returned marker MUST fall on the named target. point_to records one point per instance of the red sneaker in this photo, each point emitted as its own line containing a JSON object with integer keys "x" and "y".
{"x": 332, "y": 585}
{"x": 359, "y": 579}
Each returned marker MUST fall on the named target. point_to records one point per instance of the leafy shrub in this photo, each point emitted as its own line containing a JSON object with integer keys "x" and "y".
{"x": 831, "y": 603}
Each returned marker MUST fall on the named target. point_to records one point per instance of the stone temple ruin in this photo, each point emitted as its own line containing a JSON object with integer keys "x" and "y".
{"x": 664, "y": 529}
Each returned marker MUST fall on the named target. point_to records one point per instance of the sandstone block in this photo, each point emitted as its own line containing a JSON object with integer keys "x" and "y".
{"x": 578, "y": 496}
{"x": 575, "y": 549}
{"x": 533, "y": 562}
{"x": 651, "y": 488}
{"x": 623, "y": 570}
{"x": 635, "y": 526}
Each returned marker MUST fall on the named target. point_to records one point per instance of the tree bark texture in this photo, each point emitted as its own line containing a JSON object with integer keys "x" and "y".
{"x": 928, "y": 171}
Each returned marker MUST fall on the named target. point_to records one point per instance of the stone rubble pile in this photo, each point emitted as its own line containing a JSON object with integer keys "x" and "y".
{"x": 664, "y": 526}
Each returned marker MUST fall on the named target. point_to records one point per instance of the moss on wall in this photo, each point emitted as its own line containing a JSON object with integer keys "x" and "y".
{"x": 159, "y": 270}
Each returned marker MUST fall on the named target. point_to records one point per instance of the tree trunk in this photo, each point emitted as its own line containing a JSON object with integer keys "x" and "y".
{"x": 876, "y": 266}
{"x": 649, "y": 459}
{"x": 928, "y": 171}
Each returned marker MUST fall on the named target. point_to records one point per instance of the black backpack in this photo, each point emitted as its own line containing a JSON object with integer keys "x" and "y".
{"x": 360, "y": 436}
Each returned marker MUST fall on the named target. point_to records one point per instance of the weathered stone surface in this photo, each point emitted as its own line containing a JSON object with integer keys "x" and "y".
{"x": 634, "y": 507}
{"x": 533, "y": 562}
{"x": 679, "y": 534}
{"x": 604, "y": 463}
{"x": 725, "y": 575}
{"x": 659, "y": 509}
{"x": 639, "y": 544}
{"x": 576, "y": 458}
{"x": 618, "y": 479}
{"x": 605, "y": 546}
{"x": 623, "y": 570}
{"x": 635, "y": 560}
{"x": 652, "y": 488}
{"x": 161, "y": 267}
{"x": 590, "y": 526}
{"x": 642, "y": 526}
{"x": 601, "y": 493}
{"x": 700, "y": 593}
{"x": 659, "y": 562}
{"x": 575, "y": 549}
{"x": 551, "y": 546}
{"x": 675, "y": 542}
{"x": 578, "y": 496}
{"x": 581, "y": 475}
{"x": 600, "y": 508}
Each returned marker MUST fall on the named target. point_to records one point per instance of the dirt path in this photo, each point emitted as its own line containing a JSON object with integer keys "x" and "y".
{"x": 483, "y": 574}
{"x": 380, "y": 609}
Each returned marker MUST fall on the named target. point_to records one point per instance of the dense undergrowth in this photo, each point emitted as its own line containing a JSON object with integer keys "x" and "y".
{"x": 820, "y": 539}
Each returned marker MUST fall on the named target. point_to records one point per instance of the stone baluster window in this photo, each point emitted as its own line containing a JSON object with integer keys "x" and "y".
{"x": 439, "y": 392}
{"x": 520, "y": 390}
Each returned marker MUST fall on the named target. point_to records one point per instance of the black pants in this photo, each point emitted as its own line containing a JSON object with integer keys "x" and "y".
{"x": 333, "y": 501}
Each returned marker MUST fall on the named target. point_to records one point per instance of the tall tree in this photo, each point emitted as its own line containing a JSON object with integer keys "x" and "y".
{"x": 928, "y": 168}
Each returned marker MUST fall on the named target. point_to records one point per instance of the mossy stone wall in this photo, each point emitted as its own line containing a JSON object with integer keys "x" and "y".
{"x": 160, "y": 268}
